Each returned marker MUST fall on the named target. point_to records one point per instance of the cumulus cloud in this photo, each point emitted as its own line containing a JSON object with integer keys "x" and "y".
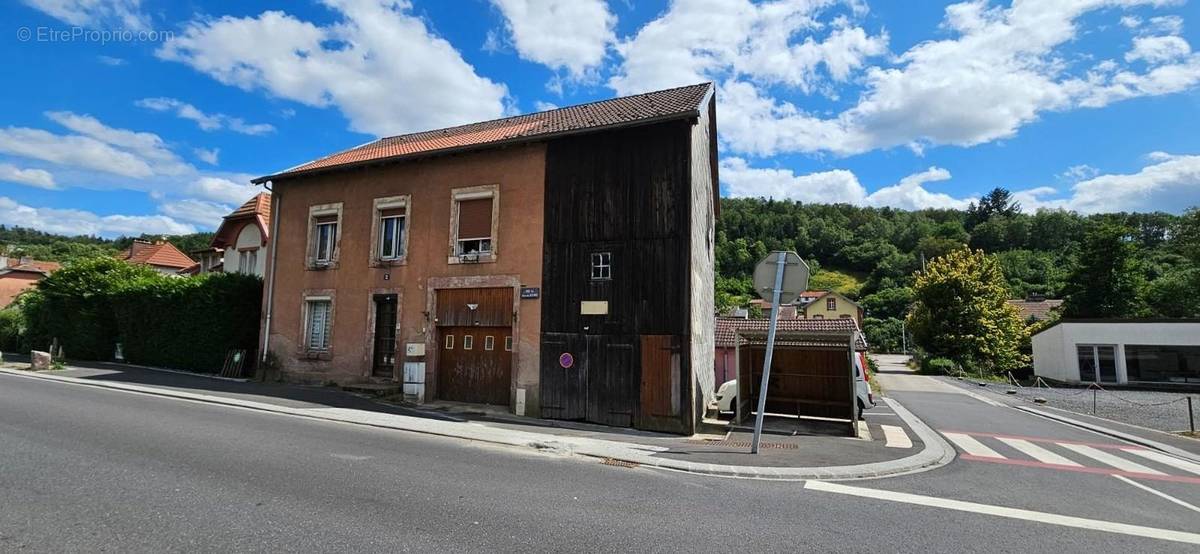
{"x": 1000, "y": 69}
{"x": 207, "y": 155}
{"x": 149, "y": 147}
{"x": 570, "y": 35}
{"x": 82, "y": 222}
{"x": 378, "y": 64}
{"x": 39, "y": 178}
{"x": 836, "y": 186}
{"x": 72, "y": 151}
{"x": 207, "y": 122}
{"x": 220, "y": 190}
{"x": 206, "y": 214}
{"x": 121, "y": 14}
{"x": 1170, "y": 185}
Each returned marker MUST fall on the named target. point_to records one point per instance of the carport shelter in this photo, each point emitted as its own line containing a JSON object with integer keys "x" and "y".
{"x": 812, "y": 371}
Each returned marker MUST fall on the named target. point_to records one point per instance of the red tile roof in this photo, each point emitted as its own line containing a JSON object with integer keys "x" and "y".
{"x": 162, "y": 254}
{"x": 1037, "y": 309}
{"x": 617, "y": 112}
{"x": 257, "y": 209}
{"x": 727, "y": 328}
{"x": 34, "y": 266}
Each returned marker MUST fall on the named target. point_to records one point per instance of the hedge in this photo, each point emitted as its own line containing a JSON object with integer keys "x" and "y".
{"x": 160, "y": 320}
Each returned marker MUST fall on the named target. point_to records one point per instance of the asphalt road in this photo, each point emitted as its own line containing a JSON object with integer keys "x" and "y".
{"x": 84, "y": 469}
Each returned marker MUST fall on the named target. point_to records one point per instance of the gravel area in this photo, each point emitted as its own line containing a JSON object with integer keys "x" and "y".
{"x": 1165, "y": 411}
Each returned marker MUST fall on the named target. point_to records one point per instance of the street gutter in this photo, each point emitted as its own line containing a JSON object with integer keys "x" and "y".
{"x": 935, "y": 453}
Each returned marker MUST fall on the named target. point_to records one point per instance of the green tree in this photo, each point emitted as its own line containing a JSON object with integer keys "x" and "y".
{"x": 1107, "y": 280}
{"x": 888, "y": 303}
{"x": 961, "y": 312}
{"x": 997, "y": 202}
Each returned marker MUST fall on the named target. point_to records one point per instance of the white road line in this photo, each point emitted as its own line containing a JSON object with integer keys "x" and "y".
{"x": 1168, "y": 460}
{"x": 1157, "y": 493}
{"x": 971, "y": 446}
{"x": 1108, "y": 459}
{"x": 1011, "y": 513}
{"x": 896, "y": 437}
{"x": 1038, "y": 453}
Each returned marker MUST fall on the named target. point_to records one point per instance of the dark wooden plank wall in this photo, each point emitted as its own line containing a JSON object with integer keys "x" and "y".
{"x": 807, "y": 382}
{"x": 495, "y": 307}
{"x": 624, "y": 192}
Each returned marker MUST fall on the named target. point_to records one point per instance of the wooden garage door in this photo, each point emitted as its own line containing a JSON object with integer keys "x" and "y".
{"x": 475, "y": 364}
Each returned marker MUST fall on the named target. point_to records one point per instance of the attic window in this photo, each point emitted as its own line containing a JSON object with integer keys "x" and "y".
{"x": 601, "y": 266}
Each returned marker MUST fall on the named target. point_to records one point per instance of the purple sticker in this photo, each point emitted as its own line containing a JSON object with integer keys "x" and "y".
{"x": 566, "y": 360}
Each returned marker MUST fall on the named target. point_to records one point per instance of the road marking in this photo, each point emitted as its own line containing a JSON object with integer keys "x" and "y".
{"x": 971, "y": 446}
{"x": 1167, "y": 460}
{"x": 1158, "y": 493}
{"x": 1082, "y": 469}
{"x": 1038, "y": 453}
{"x": 1109, "y": 446}
{"x": 896, "y": 437}
{"x": 1011, "y": 513}
{"x": 1108, "y": 459}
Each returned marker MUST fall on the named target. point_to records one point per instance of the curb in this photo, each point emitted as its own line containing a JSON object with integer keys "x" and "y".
{"x": 936, "y": 452}
{"x": 1127, "y": 437}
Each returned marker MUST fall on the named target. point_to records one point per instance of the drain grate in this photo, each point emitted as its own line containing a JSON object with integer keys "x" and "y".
{"x": 746, "y": 444}
{"x": 618, "y": 463}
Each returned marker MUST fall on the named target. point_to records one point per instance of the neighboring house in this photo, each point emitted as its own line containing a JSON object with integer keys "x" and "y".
{"x": 725, "y": 362}
{"x": 1119, "y": 351}
{"x": 240, "y": 242}
{"x": 160, "y": 255}
{"x": 20, "y": 274}
{"x": 1036, "y": 307}
{"x": 829, "y": 305}
{"x": 559, "y": 263}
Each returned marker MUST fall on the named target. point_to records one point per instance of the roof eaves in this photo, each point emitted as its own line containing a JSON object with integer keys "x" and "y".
{"x": 689, "y": 114}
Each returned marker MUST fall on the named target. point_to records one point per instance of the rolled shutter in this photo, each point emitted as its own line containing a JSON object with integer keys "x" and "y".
{"x": 475, "y": 218}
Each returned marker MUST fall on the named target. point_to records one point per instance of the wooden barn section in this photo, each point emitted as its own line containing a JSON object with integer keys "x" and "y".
{"x": 627, "y": 273}
{"x": 812, "y": 371}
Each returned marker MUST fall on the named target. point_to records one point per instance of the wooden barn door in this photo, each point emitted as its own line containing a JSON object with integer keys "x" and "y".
{"x": 563, "y": 390}
{"x": 612, "y": 380}
{"x": 475, "y": 345}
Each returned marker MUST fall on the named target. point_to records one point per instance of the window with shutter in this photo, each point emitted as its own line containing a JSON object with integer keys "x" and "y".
{"x": 474, "y": 233}
{"x": 318, "y": 324}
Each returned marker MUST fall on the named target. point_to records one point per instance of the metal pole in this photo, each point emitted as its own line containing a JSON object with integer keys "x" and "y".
{"x": 903, "y": 338}
{"x": 1094, "y": 401}
{"x": 780, "y": 263}
{"x": 1191, "y": 416}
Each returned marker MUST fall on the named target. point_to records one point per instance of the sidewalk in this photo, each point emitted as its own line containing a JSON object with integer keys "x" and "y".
{"x": 789, "y": 457}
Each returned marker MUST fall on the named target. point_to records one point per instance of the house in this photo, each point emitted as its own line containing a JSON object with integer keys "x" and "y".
{"x": 1036, "y": 307}
{"x": 20, "y": 274}
{"x": 725, "y": 361}
{"x": 160, "y": 255}
{"x": 240, "y": 240}
{"x": 816, "y": 304}
{"x": 1119, "y": 351}
{"x": 828, "y": 305}
{"x": 558, "y": 263}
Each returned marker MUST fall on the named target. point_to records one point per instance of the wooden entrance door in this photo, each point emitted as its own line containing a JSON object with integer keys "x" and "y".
{"x": 384, "y": 364}
{"x": 474, "y": 361}
{"x": 475, "y": 364}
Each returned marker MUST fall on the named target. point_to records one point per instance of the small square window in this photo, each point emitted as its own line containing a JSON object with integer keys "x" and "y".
{"x": 601, "y": 266}
{"x": 468, "y": 342}
{"x": 508, "y": 344}
{"x": 489, "y": 343}
{"x": 449, "y": 342}
{"x": 831, "y": 304}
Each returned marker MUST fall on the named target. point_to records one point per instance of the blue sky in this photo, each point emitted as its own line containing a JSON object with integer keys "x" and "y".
{"x": 128, "y": 116}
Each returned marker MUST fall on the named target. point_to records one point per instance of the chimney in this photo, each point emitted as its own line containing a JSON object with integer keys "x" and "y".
{"x": 1035, "y": 297}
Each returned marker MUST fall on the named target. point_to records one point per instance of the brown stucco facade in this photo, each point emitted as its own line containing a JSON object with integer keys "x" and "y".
{"x": 14, "y": 283}
{"x": 514, "y": 175}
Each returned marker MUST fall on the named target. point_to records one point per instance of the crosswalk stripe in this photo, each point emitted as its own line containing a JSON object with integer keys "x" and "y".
{"x": 1108, "y": 459}
{"x": 971, "y": 446}
{"x": 1167, "y": 460}
{"x": 896, "y": 437}
{"x": 1038, "y": 453}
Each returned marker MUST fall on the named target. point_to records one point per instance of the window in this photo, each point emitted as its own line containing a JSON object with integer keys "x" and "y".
{"x": 247, "y": 260}
{"x": 601, "y": 266}
{"x": 818, "y": 316}
{"x": 391, "y": 234}
{"x": 489, "y": 343}
{"x": 1097, "y": 363}
{"x": 831, "y": 304}
{"x": 317, "y": 337}
{"x": 449, "y": 342}
{"x": 1170, "y": 364}
{"x": 845, "y": 316}
{"x": 326, "y": 238}
{"x": 508, "y": 344}
{"x": 473, "y": 224}
{"x": 468, "y": 342}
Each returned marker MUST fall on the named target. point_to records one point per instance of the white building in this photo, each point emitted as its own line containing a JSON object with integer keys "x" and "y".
{"x": 239, "y": 245}
{"x": 1119, "y": 351}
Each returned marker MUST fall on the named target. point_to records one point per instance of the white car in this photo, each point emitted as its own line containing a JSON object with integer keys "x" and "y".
{"x": 727, "y": 393}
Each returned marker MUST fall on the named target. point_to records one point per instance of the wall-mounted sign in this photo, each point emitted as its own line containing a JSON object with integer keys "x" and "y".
{"x": 566, "y": 360}
{"x": 530, "y": 292}
{"x": 593, "y": 307}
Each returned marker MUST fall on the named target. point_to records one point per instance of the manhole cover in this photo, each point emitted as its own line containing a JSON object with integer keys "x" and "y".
{"x": 746, "y": 444}
{"x": 618, "y": 463}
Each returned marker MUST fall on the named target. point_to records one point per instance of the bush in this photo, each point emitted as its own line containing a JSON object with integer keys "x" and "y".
{"x": 938, "y": 366}
{"x": 12, "y": 330}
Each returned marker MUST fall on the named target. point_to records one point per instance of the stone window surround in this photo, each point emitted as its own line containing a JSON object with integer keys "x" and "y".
{"x": 302, "y": 350}
{"x": 472, "y": 193}
{"x": 378, "y": 206}
{"x": 310, "y": 256}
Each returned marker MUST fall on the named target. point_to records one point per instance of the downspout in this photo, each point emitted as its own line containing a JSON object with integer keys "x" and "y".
{"x": 275, "y": 216}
